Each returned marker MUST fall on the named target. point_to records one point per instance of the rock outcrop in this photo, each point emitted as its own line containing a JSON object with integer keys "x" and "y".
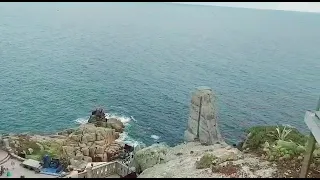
{"x": 98, "y": 118}
{"x": 115, "y": 124}
{"x": 90, "y": 143}
{"x": 150, "y": 156}
{"x": 182, "y": 161}
{"x": 202, "y": 123}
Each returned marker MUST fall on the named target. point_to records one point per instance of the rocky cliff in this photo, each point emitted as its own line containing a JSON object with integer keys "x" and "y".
{"x": 194, "y": 160}
{"x": 98, "y": 118}
{"x": 204, "y": 154}
{"x": 90, "y": 143}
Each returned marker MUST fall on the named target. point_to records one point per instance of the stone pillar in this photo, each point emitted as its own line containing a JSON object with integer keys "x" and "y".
{"x": 202, "y": 123}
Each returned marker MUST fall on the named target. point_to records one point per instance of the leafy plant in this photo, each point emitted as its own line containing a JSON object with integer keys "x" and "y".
{"x": 261, "y": 134}
{"x": 205, "y": 161}
{"x": 281, "y": 135}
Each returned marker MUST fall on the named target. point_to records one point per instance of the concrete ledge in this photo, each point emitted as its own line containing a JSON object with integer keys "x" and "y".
{"x": 17, "y": 157}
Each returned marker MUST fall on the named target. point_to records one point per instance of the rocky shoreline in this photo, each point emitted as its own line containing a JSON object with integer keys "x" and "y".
{"x": 76, "y": 147}
{"x": 267, "y": 151}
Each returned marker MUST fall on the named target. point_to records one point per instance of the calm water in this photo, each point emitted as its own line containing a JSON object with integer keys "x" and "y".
{"x": 141, "y": 61}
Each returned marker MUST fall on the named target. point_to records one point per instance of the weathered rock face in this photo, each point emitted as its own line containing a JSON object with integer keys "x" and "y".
{"x": 191, "y": 160}
{"x": 98, "y": 119}
{"x": 115, "y": 124}
{"x": 150, "y": 156}
{"x": 90, "y": 143}
{"x": 202, "y": 123}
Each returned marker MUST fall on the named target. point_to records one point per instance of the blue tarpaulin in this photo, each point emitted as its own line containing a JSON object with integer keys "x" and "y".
{"x": 50, "y": 171}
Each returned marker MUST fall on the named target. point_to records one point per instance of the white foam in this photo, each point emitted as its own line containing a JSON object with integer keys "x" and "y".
{"x": 133, "y": 118}
{"x": 125, "y": 138}
{"x": 83, "y": 120}
{"x": 155, "y": 137}
{"x": 125, "y": 120}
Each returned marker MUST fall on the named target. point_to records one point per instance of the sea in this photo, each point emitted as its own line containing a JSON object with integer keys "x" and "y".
{"x": 141, "y": 62}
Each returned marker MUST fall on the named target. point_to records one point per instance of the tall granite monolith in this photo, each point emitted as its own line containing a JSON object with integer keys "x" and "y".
{"x": 202, "y": 123}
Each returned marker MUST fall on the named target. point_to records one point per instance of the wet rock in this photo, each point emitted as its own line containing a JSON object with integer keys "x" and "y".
{"x": 115, "y": 124}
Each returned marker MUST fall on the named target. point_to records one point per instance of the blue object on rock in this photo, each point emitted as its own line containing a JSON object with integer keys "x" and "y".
{"x": 46, "y": 161}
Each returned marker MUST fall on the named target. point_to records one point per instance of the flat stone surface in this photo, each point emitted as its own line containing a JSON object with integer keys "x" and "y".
{"x": 32, "y": 163}
{"x": 17, "y": 170}
{"x": 3, "y": 155}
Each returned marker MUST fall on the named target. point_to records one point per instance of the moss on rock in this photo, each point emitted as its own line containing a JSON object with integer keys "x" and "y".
{"x": 205, "y": 161}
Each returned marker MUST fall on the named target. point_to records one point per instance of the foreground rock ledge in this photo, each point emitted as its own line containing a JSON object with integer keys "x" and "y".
{"x": 183, "y": 161}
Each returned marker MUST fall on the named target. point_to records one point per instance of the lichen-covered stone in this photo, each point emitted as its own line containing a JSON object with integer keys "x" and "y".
{"x": 150, "y": 156}
{"x": 203, "y": 128}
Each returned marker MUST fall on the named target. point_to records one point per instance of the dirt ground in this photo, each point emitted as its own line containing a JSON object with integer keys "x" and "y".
{"x": 291, "y": 168}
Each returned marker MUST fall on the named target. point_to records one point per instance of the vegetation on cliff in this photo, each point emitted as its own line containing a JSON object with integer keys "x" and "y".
{"x": 283, "y": 145}
{"x": 258, "y": 135}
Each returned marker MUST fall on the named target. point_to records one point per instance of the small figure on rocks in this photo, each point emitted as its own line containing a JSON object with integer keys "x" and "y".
{"x": 9, "y": 174}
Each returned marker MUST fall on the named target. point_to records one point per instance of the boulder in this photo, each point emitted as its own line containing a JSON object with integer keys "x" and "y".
{"x": 150, "y": 156}
{"x": 74, "y": 137}
{"x": 98, "y": 118}
{"x": 92, "y": 151}
{"x": 82, "y": 145}
{"x": 85, "y": 151}
{"x": 113, "y": 151}
{"x": 116, "y": 135}
{"x": 99, "y": 149}
{"x": 78, "y": 164}
{"x": 116, "y": 125}
{"x": 100, "y": 143}
{"x": 69, "y": 151}
{"x": 87, "y": 159}
{"x": 91, "y": 137}
{"x": 79, "y": 156}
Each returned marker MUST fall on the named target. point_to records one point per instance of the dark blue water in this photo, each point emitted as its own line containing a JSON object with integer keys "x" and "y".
{"x": 58, "y": 61}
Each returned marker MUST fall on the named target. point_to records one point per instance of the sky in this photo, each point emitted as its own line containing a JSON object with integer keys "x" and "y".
{"x": 287, "y": 6}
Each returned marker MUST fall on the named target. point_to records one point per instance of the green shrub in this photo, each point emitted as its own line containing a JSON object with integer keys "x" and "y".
{"x": 205, "y": 161}
{"x": 262, "y": 134}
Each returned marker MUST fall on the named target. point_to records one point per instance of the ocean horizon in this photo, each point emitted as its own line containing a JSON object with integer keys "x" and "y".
{"x": 141, "y": 61}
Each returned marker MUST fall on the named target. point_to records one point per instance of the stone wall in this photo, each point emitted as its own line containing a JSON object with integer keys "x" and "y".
{"x": 202, "y": 123}
{"x": 102, "y": 171}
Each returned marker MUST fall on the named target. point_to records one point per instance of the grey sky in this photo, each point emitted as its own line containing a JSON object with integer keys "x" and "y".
{"x": 288, "y": 6}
